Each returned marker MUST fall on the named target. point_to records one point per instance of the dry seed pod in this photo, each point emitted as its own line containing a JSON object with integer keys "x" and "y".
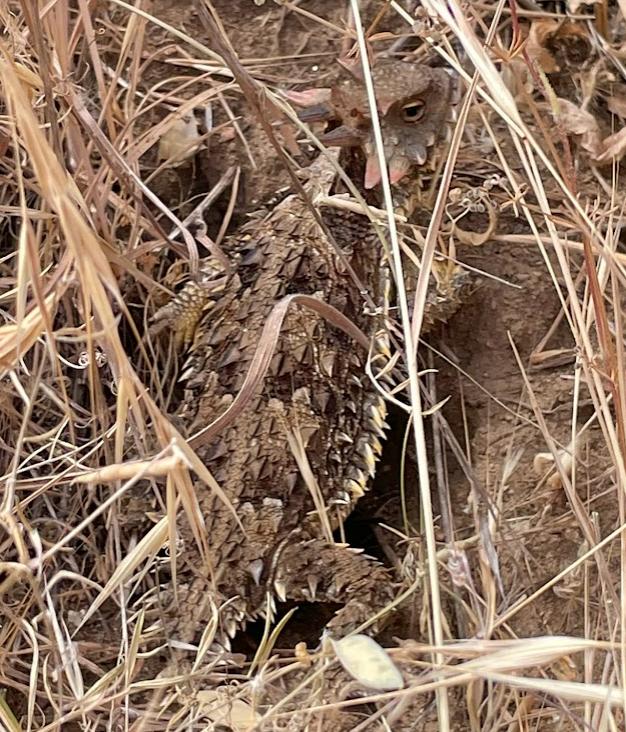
{"x": 368, "y": 663}
{"x": 223, "y": 710}
{"x": 180, "y": 141}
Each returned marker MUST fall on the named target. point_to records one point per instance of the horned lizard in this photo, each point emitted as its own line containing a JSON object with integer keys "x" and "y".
{"x": 303, "y": 448}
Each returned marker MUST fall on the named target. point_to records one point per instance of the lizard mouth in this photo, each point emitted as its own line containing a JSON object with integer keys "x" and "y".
{"x": 398, "y": 165}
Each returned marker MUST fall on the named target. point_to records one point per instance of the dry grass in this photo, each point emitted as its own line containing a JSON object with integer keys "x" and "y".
{"x": 86, "y": 242}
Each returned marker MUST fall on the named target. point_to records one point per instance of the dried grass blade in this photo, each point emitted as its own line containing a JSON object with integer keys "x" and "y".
{"x": 8, "y": 718}
{"x": 60, "y": 190}
{"x": 264, "y": 352}
{"x": 151, "y": 543}
{"x": 17, "y": 338}
{"x": 575, "y": 691}
{"x": 127, "y": 471}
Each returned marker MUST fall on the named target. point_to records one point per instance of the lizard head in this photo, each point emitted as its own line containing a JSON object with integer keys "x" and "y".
{"x": 413, "y": 103}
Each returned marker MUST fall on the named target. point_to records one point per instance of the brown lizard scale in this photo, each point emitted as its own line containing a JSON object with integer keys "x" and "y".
{"x": 303, "y": 449}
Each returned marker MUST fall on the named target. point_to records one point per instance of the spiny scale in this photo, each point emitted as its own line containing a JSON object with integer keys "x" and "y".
{"x": 304, "y": 447}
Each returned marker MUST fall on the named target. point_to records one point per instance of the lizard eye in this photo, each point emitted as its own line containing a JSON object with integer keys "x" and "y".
{"x": 414, "y": 111}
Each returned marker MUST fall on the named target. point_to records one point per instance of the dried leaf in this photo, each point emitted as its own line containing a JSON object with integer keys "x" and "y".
{"x": 612, "y": 147}
{"x": 540, "y": 32}
{"x": 544, "y": 462}
{"x": 368, "y": 663}
{"x": 477, "y": 238}
{"x": 289, "y": 135}
{"x": 180, "y": 141}
{"x": 518, "y": 79}
{"x": 576, "y": 121}
{"x": 617, "y": 105}
{"x": 546, "y": 36}
{"x": 221, "y": 709}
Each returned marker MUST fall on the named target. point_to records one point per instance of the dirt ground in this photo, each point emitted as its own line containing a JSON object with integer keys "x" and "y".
{"x": 507, "y": 371}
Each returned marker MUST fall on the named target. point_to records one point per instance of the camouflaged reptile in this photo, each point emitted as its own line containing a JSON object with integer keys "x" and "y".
{"x": 305, "y": 446}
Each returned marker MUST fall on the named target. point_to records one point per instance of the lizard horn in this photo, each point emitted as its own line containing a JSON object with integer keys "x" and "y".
{"x": 343, "y": 137}
{"x": 317, "y": 113}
